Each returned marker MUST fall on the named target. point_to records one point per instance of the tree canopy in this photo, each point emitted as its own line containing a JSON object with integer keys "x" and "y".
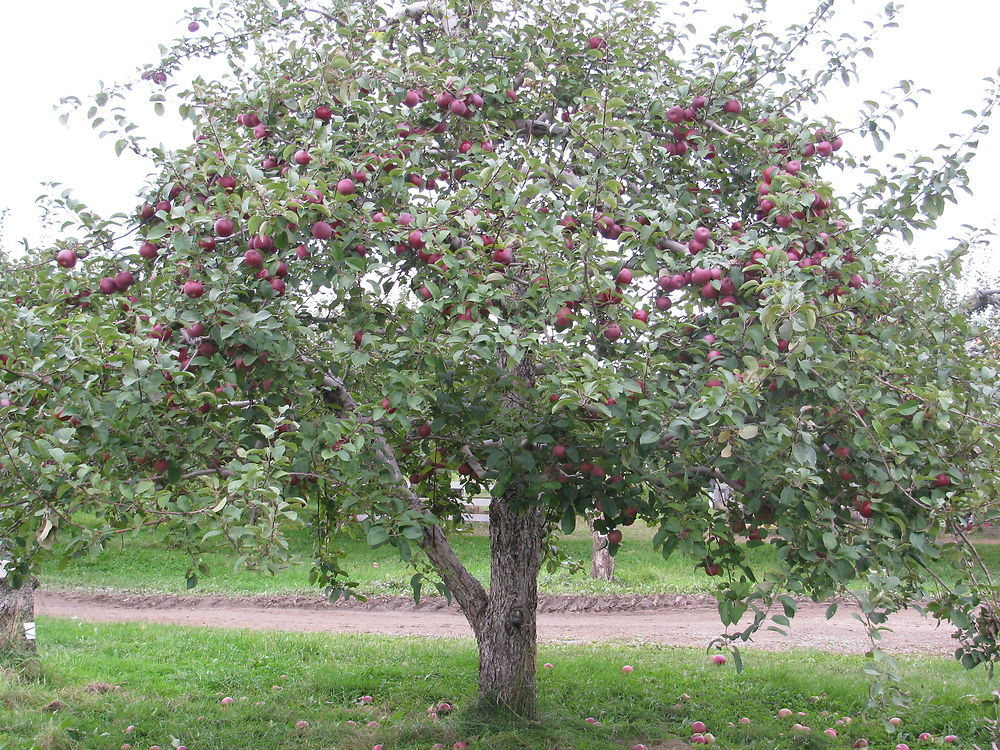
{"x": 571, "y": 254}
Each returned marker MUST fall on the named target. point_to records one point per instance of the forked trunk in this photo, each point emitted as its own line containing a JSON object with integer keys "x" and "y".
{"x": 505, "y": 629}
{"x": 17, "y": 610}
{"x": 602, "y": 565}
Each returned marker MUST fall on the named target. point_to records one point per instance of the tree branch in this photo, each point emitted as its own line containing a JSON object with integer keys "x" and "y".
{"x": 981, "y": 300}
{"x": 467, "y": 589}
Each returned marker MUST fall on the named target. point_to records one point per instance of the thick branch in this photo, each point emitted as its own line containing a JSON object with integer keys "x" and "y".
{"x": 981, "y": 300}
{"x": 467, "y": 589}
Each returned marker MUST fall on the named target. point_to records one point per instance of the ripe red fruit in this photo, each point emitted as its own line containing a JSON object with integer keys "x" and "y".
{"x": 278, "y": 285}
{"x": 459, "y": 108}
{"x": 424, "y": 430}
{"x": 107, "y": 285}
{"x": 322, "y": 230}
{"x": 564, "y": 318}
{"x": 416, "y": 239}
{"x": 713, "y": 355}
{"x": 702, "y": 235}
{"x": 148, "y": 250}
{"x": 124, "y": 279}
{"x": 194, "y": 26}
{"x": 733, "y": 107}
{"x": 195, "y": 331}
{"x": 612, "y": 332}
{"x": 942, "y": 480}
{"x": 66, "y": 258}
{"x": 712, "y": 568}
{"x": 260, "y": 131}
{"x": 842, "y": 451}
{"x": 663, "y": 303}
{"x": 615, "y": 536}
{"x": 597, "y": 42}
{"x": 641, "y": 315}
{"x": 346, "y": 186}
{"x": 193, "y": 289}
{"x": 624, "y": 276}
{"x": 464, "y": 147}
{"x": 503, "y": 256}
{"x": 323, "y": 112}
{"x": 701, "y": 276}
{"x": 824, "y": 148}
{"x": 224, "y": 227}
{"x": 412, "y": 98}
{"x": 253, "y": 258}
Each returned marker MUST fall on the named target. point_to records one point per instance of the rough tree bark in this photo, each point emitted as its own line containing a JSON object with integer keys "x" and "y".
{"x": 17, "y": 611}
{"x": 602, "y": 564}
{"x": 505, "y": 630}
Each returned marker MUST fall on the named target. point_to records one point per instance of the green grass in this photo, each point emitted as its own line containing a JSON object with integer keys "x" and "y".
{"x": 170, "y": 681}
{"x": 146, "y": 563}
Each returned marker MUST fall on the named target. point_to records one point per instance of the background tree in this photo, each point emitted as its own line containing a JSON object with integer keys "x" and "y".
{"x": 567, "y": 253}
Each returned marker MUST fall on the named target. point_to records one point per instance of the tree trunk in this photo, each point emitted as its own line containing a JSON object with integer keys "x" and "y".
{"x": 505, "y": 630}
{"x": 17, "y": 610}
{"x": 602, "y": 563}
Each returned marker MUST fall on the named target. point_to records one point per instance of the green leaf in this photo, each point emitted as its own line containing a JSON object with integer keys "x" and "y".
{"x": 377, "y": 535}
{"x": 748, "y": 431}
{"x": 568, "y": 522}
{"x": 649, "y": 436}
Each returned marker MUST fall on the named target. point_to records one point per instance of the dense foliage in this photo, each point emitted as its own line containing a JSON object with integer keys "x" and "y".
{"x": 565, "y": 253}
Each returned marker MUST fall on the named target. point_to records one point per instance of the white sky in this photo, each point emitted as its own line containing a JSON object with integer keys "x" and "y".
{"x": 61, "y": 47}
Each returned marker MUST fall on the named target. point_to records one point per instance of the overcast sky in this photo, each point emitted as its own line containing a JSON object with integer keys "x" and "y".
{"x": 63, "y": 47}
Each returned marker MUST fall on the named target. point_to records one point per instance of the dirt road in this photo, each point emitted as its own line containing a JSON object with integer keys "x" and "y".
{"x": 670, "y": 619}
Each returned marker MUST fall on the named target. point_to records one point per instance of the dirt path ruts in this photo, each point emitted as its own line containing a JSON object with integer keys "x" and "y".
{"x": 669, "y": 619}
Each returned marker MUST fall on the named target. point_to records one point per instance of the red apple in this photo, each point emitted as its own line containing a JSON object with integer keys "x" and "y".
{"x": 66, "y": 258}
{"x": 253, "y": 259}
{"x": 322, "y": 230}
{"x": 346, "y": 186}
{"x": 224, "y": 227}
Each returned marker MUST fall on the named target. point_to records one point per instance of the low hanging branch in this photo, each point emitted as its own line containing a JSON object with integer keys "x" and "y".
{"x": 464, "y": 586}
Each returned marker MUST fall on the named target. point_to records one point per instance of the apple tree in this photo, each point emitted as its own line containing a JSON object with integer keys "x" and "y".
{"x": 575, "y": 255}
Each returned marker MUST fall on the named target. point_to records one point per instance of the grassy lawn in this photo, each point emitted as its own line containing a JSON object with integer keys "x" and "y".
{"x": 170, "y": 681}
{"x": 145, "y": 563}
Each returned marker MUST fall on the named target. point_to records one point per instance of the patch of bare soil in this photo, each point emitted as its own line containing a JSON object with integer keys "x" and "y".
{"x": 673, "y": 619}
